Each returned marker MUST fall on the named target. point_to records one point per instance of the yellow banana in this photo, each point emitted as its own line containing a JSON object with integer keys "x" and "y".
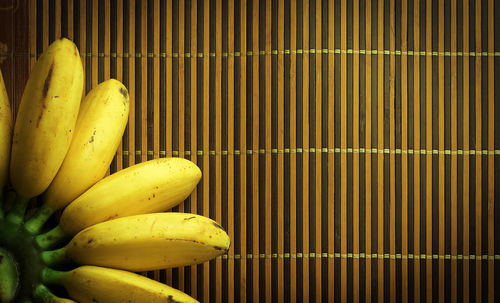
{"x": 46, "y": 118}
{"x": 151, "y": 186}
{"x": 99, "y": 128}
{"x": 145, "y": 242}
{"x": 101, "y": 122}
{"x": 105, "y": 285}
{"x": 5, "y": 134}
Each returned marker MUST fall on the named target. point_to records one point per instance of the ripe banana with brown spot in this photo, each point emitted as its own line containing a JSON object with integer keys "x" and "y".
{"x": 99, "y": 128}
{"x": 46, "y": 118}
{"x": 105, "y": 285}
{"x": 145, "y": 242}
{"x": 152, "y": 186}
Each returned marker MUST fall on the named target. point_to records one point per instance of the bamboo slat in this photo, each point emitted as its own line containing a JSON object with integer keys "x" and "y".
{"x": 293, "y": 146}
{"x": 243, "y": 156}
{"x": 255, "y": 270}
{"x": 429, "y": 124}
{"x": 404, "y": 146}
{"x": 491, "y": 161}
{"x": 368, "y": 156}
{"x": 45, "y": 22}
{"x": 131, "y": 82}
{"x": 392, "y": 156}
{"x": 318, "y": 147}
{"x": 343, "y": 146}
{"x": 281, "y": 146}
{"x": 355, "y": 143}
{"x": 267, "y": 122}
{"x": 348, "y": 147}
{"x": 144, "y": 80}
{"x": 453, "y": 176}
{"x": 33, "y": 33}
{"x": 156, "y": 81}
{"x": 416, "y": 157}
{"x": 119, "y": 69}
{"x": 478, "y": 147}
{"x": 230, "y": 146}
{"x": 441, "y": 176}
{"x": 380, "y": 157}
{"x": 94, "y": 50}
{"x": 466, "y": 168}
{"x": 305, "y": 147}
{"x": 331, "y": 144}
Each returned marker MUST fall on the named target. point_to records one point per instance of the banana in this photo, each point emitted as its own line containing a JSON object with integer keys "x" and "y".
{"x": 5, "y": 135}
{"x": 9, "y": 277}
{"x": 98, "y": 284}
{"x": 99, "y": 128}
{"x": 46, "y": 118}
{"x": 151, "y": 186}
{"x": 145, "y": 242}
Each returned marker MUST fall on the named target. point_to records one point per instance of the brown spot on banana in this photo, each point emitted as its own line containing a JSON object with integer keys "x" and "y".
{"x": 45, "y": 91}
{"x": 46, "y": 84}
{"x": 218, "y": 226}
{"x": 170, "y": 299}
{"x": 124, "y": 92}
{"x": 92, "y": 138}
{"x": 89, "y": 243}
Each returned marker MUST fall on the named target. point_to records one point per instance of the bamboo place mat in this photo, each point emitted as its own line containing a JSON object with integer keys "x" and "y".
{"x": 349, "y": 148}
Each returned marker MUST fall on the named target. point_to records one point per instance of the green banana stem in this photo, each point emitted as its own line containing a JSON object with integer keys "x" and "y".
{"x": 43, "y": 294}
{"x": 53, "y": 277}
{"x": 16, "y": 214}
{"x": 51, "y": 238}
{"x": 35, "y": 223}
{"x": 54, "y": 258}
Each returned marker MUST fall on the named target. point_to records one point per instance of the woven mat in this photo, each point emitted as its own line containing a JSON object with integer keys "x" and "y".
{"x": 349, "y": 148}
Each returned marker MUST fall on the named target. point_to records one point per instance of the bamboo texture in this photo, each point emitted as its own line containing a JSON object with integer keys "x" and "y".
{"x": 349, "y": 148}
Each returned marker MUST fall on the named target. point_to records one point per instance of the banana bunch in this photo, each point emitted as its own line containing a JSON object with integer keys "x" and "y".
{"x": 54, "y": 158}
